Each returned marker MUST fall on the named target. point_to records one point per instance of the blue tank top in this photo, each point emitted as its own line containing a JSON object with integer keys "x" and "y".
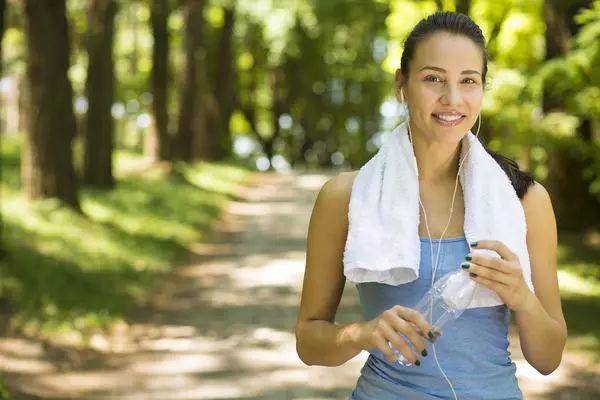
{"x": 473, "y": 350}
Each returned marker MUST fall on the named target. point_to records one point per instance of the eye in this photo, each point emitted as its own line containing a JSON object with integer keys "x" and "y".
{"x": 473, "y": 81}
{"x": 432, "y": 78}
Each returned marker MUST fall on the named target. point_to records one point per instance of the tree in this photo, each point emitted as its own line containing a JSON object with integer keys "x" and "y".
{"x": 47, "y": 161}
{"x": 558, "y": 37}
{"x": 463, "y": 6}
{"x": 191, "y": 114}
{"x": 158, "y": 138}
{"x": 2, "y": 11}
{"x": 217, "y": 134}
{"x": 567, "y": 158}
{"x": 97, "y": 168}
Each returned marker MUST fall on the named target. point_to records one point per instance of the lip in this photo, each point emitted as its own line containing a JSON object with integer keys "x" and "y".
{"x": 449, "y": 112}
{"x": 448, "y": 123}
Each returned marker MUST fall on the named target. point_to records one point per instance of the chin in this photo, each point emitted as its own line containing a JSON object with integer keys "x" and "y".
{"x": 449, "y": 131}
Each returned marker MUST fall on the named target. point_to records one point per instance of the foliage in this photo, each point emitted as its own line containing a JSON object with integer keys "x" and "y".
{"x": 66, "y": 270}
{"x": 4, "y": 394}
{"x": 579, "y": 276}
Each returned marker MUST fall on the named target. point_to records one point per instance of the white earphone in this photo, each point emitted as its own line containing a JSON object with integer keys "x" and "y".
{"x": 434, "y": 266}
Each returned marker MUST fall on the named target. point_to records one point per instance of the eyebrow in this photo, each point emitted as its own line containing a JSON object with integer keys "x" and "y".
{"x": 467, "y": 71}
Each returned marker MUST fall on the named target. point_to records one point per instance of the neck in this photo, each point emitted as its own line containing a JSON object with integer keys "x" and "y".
{"x": 437, "y": 161}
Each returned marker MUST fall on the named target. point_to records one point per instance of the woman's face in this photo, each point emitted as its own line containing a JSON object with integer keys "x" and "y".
{"x": 445, "y": 88}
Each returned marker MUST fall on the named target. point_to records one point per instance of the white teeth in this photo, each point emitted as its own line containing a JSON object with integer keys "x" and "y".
{"x": 448, "y": 117}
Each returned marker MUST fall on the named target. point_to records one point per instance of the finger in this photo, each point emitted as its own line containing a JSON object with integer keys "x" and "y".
{"x": 411, "y": 333}
{"x": 412, "y": 315}
{"x": 503, "y": 277}
{"x": 435, "y": 332}
{"x": 490, "y": 262}
{"x": 399, "y": 343}
{"x": 494, "y": 285}
{"x": 382, "y": 344}
{"x": 499, "y": 247}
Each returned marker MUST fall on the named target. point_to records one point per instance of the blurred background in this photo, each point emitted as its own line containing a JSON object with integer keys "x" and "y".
{"x": 128, "y": 126}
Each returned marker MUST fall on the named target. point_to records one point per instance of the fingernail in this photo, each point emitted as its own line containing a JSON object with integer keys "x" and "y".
{"x": 468, "y": 257}
{"x": 424, "y": 352}
{"x": 472, "y": 274}
{"x": 430, "y": 334}
{"x": 474, "y": 243}
{"x": 465, "y": 265}
{"x": 418, "y": 362}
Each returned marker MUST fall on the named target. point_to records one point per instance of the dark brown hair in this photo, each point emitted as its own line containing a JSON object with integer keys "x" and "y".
{"x": 460, "y": 24}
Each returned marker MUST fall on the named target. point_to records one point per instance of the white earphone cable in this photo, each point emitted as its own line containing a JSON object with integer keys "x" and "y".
{"x": 434, "y": 265}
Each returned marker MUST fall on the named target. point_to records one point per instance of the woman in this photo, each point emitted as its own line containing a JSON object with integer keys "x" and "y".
{"x": 442, "y": 76}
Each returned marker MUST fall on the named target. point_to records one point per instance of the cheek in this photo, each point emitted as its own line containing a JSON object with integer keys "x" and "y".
{"x": 426, "y": 100}
{"x": 474, "y": 98}
{"x": 431, "y": 93}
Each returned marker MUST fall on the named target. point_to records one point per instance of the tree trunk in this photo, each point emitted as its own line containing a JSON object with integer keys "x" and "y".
{"x": 2, "y": 13}
{"x": 2, "y": 10}
{"x": 190, "y": 115}
{"x": 225, "y": 86}
{"x": 159, "y": 136}
{"x": 277, "y": 109}
{"x": 47, "y": 168}
{"x": 560, "y": 27}
{"x": 267, "y": 146}
{"x": 207, "y": 147}
{"x": 133, "y": 23}
{"x": 557, "y": 43}
{"x": 463, "y": 6}
{"x": 98, "y": 148}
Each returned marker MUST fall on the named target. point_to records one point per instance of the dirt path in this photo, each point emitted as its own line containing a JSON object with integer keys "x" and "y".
{"x": 222, "y": 326}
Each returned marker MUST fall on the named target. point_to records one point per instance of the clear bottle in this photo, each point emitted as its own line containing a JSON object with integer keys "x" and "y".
{"x": 443, "y": 303}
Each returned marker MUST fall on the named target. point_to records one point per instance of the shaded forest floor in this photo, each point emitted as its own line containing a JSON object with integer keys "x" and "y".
{"x": 221, "y": 325}
{"x": 68, "y": 272}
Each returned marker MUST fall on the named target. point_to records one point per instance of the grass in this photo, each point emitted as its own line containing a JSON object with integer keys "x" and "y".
{"x": 71, "y": 272}
{"x": 579, "y": 279}
{"x": 4, "y": 394}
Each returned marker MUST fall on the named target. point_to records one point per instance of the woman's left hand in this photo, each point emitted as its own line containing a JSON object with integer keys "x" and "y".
{"x": 503, "y": 275}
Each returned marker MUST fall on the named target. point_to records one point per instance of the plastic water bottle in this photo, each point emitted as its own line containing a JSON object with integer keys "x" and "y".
{"x": 443, "y": 303}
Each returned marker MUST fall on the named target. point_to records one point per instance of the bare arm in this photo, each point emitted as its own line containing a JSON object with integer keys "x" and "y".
{"x": 542, "y": 327}
{"x": 319, "y": 340}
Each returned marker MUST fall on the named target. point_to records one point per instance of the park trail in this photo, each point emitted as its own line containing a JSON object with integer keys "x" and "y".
{"x": 221, "y": 326}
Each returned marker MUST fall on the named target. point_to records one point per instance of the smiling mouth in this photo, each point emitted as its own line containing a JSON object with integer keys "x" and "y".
{"x": 448, "y": 121}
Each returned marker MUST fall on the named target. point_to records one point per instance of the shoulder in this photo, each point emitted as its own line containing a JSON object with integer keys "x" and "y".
{"x": 541, "y": 233}
{"x": 537, "y": 202}
{"x": 333, "y": 198}
{"x": 338, "y": 188}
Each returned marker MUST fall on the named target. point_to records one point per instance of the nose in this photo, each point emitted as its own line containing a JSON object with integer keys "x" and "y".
{"x": 451, "y": 95}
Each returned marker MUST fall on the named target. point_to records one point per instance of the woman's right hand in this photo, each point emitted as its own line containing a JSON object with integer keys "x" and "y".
{"x": 388, "y": 325}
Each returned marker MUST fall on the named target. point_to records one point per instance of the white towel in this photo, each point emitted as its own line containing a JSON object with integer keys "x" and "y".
{"x": 383, "y": 242}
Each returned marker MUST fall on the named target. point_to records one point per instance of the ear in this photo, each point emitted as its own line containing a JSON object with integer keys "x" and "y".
{"x": 398, "y": 83}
